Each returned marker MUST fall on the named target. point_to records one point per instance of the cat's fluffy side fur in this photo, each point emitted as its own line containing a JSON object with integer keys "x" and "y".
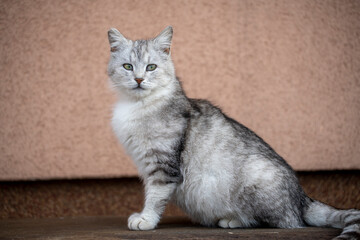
{"x": 217, "y": 170}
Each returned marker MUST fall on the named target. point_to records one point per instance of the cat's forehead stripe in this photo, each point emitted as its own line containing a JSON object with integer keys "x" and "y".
{"x": 140, "y": 50}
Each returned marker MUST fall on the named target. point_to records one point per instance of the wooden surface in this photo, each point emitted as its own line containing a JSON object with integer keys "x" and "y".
{"x": 169, "y": 228}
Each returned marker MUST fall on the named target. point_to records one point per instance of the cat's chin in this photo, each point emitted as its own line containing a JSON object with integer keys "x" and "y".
{"x": 138, "y": 93}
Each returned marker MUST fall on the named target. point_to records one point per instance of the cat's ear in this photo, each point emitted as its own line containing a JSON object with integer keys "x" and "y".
{"x": 116, "y": 39}
{"x": 163, "y": 40}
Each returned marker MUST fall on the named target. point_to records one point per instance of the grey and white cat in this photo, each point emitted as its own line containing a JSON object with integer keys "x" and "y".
{"x": 215, "y": 169}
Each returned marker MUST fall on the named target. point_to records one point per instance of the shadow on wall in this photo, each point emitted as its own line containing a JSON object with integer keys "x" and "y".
{"x": 124, "y": 196}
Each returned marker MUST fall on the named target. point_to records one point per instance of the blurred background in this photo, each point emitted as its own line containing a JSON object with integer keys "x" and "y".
{"x": 287, "y": 69}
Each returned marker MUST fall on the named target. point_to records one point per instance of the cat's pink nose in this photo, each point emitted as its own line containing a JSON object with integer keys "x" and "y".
{"x": 139, "y": 80}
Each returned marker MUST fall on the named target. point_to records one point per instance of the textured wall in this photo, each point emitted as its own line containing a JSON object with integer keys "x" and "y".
{"x": 290, "y": 70}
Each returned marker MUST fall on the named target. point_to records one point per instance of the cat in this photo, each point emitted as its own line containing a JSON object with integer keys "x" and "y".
{"x": 214, "y": 168}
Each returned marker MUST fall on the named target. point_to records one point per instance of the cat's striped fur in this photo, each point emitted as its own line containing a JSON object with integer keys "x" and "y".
{"x": 217, "y": 170}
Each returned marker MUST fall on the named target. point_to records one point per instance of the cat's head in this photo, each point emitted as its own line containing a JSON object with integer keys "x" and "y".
{"x": 140, "y": 68}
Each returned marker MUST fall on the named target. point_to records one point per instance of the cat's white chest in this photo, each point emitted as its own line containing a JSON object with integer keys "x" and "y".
{"x": 136, "y": 131}
{"x": 131, "y": 127}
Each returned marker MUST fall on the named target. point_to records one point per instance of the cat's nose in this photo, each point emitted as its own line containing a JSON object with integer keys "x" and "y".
{"x": 139, "y": 80}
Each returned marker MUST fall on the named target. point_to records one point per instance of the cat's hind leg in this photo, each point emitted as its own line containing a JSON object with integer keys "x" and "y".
{"x": 229, "y": 223}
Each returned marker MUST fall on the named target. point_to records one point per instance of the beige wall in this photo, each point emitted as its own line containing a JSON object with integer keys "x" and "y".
{"x": 290, "y": 70}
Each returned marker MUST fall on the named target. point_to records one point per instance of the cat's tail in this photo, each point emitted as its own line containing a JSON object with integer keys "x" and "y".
{"x": 321, "y": 215}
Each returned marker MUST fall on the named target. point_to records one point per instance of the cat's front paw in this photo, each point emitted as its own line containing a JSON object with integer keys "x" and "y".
{"x": 139, "y": 222}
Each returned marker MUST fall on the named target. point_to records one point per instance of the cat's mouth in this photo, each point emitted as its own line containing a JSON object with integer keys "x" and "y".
{"x": 138, "y": 88}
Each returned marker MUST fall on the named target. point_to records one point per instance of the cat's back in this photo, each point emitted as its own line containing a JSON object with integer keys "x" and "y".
{"x": 210, "y": 128}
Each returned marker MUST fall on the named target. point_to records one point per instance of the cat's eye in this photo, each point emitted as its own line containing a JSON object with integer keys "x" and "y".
{"x": 128, "y": 66}
{"x": 151, "y": 67}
